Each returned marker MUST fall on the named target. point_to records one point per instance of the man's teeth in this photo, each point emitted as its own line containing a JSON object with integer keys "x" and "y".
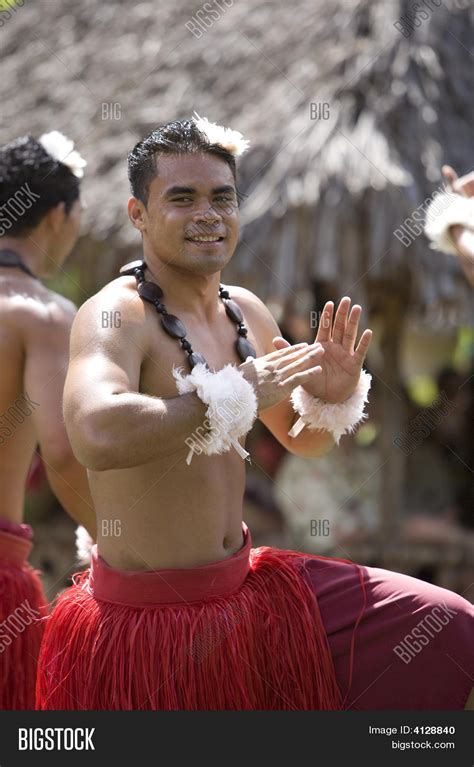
{"x": 205, "y": 239}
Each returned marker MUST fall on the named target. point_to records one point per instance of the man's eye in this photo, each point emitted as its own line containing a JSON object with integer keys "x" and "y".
{"x": 224, "y": 198}
{"x": 181, "y": 199}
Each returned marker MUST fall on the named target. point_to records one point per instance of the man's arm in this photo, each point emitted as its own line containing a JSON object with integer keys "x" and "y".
{"x": 46, "y": 343}
{"x": 280, "y": 418}
{"x": 110, "y": 424}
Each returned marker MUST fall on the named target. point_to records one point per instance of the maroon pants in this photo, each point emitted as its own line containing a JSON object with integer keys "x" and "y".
{"x": 413, "y": 646}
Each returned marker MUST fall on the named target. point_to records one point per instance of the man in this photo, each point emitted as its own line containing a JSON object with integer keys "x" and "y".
{"x": 39, "y": 224}
{"x": 450, "y": 220}
{"x": 177, "y": 611}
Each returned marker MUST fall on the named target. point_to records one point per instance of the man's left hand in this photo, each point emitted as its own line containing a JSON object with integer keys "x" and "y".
{"x": 342, "y": 361}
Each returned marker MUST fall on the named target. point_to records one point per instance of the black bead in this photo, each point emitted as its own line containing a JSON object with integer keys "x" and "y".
{"x": 160, "y": 307}
{"x": 149, "y": 291}
{"x": 242, "y": 331}
{"x": 194, "y": 359}
{"x": 139, "y": 276}
{"x": 244, "y": 349}
{"x": 130, "y": 268}
{"x": 223, "y": 293}
{"x": 173, "y": 325}
{"x": 186, "y": 345}
{"x": 233, "y": 311}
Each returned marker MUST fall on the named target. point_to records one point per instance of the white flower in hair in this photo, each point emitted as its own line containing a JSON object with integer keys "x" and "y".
{"x": 62, "y": 149}
{"x": 230, "y": 140}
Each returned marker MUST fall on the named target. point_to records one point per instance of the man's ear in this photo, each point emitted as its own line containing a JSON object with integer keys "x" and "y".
{"x": 137, "y": 213}
{"x": 56, "y": 216}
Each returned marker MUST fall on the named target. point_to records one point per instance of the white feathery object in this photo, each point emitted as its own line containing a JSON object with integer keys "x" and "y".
{"x": 340, "y": 418}
{"x": 62, "y": 150}
{"x": 232, "y": 407}
{"x": 446, "y": 210}
{"x": 230, "y": 140}
{"x": 84, "y": 545}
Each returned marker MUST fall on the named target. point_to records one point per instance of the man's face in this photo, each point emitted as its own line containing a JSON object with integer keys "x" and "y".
{"x": 64, "y": 237}
{"x": 192, "y": 198}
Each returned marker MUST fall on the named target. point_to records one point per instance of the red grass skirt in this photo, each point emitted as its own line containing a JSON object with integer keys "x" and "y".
{"x": 244, "y": 633}
{"x": 22, "y": 612}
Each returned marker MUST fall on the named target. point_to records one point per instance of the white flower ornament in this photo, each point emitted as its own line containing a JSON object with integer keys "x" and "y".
{"x": 230, "y": 140}
{"x": 62, "y": 149}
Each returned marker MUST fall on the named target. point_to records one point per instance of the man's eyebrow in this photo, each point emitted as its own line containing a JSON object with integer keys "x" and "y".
{"x": 190, "y": 190}
{"x": 222, "y": 189}
{"x": 179, "y": 190}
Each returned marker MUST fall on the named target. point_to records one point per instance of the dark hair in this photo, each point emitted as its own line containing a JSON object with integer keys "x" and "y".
{"x": 178, "y": 137}
{"x": 26, "y": 165}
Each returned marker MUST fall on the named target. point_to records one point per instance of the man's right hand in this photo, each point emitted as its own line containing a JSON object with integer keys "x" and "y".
{"x": 275, "y": 375}
{"x": 462, "y": 236}
{"x": 463, "y": 185}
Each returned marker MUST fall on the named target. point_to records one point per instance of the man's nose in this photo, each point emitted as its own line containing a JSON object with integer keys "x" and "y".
{"x": 206, "y": 214}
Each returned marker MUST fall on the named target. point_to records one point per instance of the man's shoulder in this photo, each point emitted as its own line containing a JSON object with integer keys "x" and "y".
{"x": 66, "y": 308}
{"x": 31, "y": 305}
{"x": 119, "y": 293}
{"x": 246, "y": 299}
{"x": 113, "y": 307}
{"x": 255, "y": 310}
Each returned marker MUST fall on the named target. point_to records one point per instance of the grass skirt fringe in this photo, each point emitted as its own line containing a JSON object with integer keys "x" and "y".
{"x": 22, "y": 620}
{"x": 263, "y": 647}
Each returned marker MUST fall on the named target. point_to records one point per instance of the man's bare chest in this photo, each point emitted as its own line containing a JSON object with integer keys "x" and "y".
{"x": 216, "y": 343}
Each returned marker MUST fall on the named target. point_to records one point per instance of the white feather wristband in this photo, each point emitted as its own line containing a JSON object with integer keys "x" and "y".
{"x": 232, "y": 408}
{"x": 447, "y": 210}
{"x": 340, "y": 418}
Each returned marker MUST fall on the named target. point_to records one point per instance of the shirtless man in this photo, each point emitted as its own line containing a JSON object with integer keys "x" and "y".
{"x": 39, "y": 224}
{"x": 187, "y": 615}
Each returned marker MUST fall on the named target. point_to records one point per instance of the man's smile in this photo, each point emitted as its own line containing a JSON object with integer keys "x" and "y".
{"x": 205, "y": 239}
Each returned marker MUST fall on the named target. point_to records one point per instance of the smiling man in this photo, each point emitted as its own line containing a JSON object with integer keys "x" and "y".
{"x": 177, "y": 610}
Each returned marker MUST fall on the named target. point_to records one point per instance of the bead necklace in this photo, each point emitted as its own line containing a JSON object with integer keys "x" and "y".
{"x": 151, "y": 292}
{"x": 10, "y": 258}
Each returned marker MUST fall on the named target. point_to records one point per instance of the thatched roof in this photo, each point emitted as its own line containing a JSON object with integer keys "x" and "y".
{"x": 325, "y": 195}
